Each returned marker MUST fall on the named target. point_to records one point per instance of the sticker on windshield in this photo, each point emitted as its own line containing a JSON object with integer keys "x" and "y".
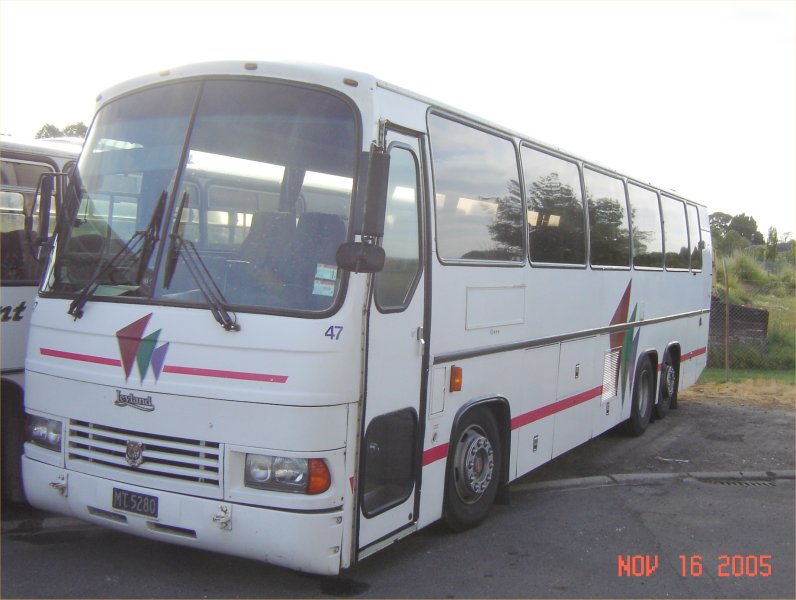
{"x": 325, "y": 276}
{"x": 328, "y": 272}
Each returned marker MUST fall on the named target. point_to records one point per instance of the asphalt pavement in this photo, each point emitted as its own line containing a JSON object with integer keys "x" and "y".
{"x": 701, "y": 505}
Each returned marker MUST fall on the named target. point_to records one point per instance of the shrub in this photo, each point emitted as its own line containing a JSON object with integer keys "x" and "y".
{"x": 781, "y": 349}
{"x": 749, "y": 270}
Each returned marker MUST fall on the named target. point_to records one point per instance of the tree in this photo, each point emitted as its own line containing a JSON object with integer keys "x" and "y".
{"x": 747, "y": 229}
{"x": 76, "y": 130}
{"x": 771, "y": 244}
{"x": 51, "y": 131}
{"x": 731, "y": 242}
{"x": 719, "y": 224}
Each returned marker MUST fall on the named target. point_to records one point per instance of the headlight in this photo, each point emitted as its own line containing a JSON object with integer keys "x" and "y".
{"x": 287, "y": 474}
{"x": 43, "y": 432}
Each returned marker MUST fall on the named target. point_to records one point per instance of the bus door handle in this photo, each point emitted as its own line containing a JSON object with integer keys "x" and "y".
{"x": 420, "y": 337}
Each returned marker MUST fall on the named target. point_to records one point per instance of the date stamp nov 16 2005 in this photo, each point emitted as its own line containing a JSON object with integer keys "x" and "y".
{"x": 693, "y": 565}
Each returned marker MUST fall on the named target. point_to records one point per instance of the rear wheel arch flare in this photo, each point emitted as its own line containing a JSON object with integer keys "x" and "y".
{"x": 675, "y": 351}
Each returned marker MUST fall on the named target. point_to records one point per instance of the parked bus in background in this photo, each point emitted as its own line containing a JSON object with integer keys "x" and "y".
{"x": 285, "y": 300}
{"x": 22, "y": 163}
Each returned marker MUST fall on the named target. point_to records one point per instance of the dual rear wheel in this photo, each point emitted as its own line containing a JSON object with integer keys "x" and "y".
{"x": 644, "y": 407}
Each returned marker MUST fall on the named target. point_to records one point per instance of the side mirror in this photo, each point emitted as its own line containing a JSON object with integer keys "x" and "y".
{"x": 360, "y": 257}
{"x": 376, "y": 198}
{"x": 372, "y": 195}
{"x": 39, "y": 225}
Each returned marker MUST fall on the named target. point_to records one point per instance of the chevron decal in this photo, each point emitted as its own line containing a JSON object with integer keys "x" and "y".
{"x": 135, "y": 349}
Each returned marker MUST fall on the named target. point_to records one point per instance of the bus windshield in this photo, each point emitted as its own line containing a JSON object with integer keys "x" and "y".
{"x": 249, "y": 183}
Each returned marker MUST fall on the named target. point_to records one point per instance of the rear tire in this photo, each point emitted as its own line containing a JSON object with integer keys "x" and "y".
{"x": 643, "y": 398}
{"x": 667, "y": 392}
{"x": 473, "y": 472}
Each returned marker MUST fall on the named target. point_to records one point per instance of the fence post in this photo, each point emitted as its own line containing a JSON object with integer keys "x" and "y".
{"x": 726, "y": 322}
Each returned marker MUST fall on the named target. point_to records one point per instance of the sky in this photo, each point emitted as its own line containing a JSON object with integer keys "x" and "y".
{"x": 696, "y": 97}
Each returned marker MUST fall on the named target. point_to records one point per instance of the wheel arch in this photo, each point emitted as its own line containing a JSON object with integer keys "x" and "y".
{"x": 501, "y": 411}
{"x": 673, "y": 349}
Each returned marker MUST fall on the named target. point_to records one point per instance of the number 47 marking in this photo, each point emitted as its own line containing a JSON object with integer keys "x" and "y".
{"x": 333, "y": 333}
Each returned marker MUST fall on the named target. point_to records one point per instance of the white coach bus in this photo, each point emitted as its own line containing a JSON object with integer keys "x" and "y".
{"x": 297, "y": 313}
{"x": 22, "y": 162}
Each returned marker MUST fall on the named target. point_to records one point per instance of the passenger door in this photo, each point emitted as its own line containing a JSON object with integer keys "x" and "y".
{"x": 389, "y": 477}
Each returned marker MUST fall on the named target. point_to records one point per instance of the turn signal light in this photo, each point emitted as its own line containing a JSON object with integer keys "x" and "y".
{"x": 456, "y": 379}
{"x": 320, "y": 479}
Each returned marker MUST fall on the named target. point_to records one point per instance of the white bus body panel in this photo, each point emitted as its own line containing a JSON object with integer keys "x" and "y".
{"x": 307, "y": 409}
{"x": 17, "y": 302}
{"x": 273, "y": 536}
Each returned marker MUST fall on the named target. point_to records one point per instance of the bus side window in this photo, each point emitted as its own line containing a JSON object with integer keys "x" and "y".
{"x": 609, "y": 228}
{"x": 555, "y": 209}
{"x": 675, "y": 234}
{"x": 695, "y": 238}
{"x": 477, "y": 194}
{"x": 19, "y": 180}
{"x": 645, "y": 217}
{"x": 401, "y": 242}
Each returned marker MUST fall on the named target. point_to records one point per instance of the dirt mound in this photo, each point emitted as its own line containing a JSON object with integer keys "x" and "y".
{"x": 754, "y": 393}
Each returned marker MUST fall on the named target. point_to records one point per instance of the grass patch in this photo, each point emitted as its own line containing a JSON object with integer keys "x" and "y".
{"x": 710, "y": 376}
{"x": 748, "y": 388}
{"x": 773, "y": 288}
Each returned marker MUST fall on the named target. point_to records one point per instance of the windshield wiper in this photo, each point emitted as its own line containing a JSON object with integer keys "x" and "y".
{"x": 186, "y": 251}
{"x": 140, "y": 246}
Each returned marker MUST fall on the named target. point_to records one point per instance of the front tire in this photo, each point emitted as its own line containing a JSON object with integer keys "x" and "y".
{"x": 643, "y": 398}
{"x": 473, "y": 473}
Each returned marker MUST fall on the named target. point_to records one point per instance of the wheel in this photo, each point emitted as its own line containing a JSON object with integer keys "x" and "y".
{"x": 671, "y": 379}
{"x": 667, "y": 396}
{"x": 473, "y": 473}
{"x": 643, "y": 397}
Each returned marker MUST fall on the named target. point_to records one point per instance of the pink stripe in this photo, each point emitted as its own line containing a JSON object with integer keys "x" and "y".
{"x": 112, "y": 362}
{"x": 434, "y": 454}
{"x": 693, "y": 354}
{"x": 555, "y": 407}
{"x": 225, "y": 374}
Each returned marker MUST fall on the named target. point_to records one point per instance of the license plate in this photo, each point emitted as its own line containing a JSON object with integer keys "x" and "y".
{"x": 133, "y": 502}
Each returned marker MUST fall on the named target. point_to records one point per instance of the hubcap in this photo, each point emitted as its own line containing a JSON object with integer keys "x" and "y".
{"x": 670, "y": 379}
{"x": 474, "y": 465}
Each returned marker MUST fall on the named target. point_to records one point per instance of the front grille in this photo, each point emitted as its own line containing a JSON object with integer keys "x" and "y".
{"x": 182, "y": 459}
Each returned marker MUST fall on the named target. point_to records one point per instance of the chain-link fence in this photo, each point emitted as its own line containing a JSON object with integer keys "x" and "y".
{"x": 738, "y": 331}
{"x": 755, "y": 329}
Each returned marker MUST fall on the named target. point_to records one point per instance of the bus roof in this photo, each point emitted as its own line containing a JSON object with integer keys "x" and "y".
{"x": 333, "y": 77}
{"x": 67, "y": 147}
{"x": 356, "y": 84}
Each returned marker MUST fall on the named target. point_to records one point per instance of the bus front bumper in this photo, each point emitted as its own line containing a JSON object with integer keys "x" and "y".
{"x": 301, "y": 541}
